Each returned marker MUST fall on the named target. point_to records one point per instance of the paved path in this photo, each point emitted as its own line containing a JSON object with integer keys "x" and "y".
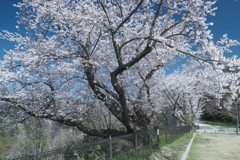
{"x": 211, "y": 129}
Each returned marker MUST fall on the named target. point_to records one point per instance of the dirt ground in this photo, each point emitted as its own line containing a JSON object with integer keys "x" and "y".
{"x": 207, "y": 146}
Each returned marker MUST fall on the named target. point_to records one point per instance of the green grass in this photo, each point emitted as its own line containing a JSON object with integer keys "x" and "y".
{"x": 197, "y": 141}
{"x": 174, "y": 150}
{"x": 219, "y": 123}
{"x": 143, "y": 153}
{"x": 171, "y": 141}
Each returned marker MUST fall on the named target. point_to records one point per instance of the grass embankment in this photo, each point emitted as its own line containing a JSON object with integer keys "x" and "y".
{"x": 161, "y": 151}
{"x": 215, "y": 147}
{"x": 174, "y": 150}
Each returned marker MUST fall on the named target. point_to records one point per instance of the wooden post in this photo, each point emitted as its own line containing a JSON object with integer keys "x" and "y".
{"x": 35, "y": 154}
{"x": 110, "y": 148}
{"x": 150, "y": 140}
{"x": 166, "y": 134}
{"x": 136, "y": 145}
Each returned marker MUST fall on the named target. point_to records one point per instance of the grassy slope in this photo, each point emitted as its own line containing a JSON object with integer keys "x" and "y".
{"x": 163, "y": 151}
{"x": 174, "y": 150}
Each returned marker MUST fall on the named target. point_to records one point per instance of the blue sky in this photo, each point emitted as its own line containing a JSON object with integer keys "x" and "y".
{"x": 227, "y": 20}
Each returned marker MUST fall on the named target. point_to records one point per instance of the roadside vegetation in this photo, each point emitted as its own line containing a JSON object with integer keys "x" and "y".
{"x": 34, "y": 133}
{"x": 174, "y": 150}
{"x": 164, "y": 147}
{"x": 5, "y": 143}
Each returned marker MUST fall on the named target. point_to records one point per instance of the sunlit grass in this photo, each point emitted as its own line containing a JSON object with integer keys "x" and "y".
{"x": 214, "y": 146}
{"x": 219, "y": 123}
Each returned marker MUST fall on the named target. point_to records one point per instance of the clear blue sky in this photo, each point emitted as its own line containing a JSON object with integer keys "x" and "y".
{"x": 227, "y": 20}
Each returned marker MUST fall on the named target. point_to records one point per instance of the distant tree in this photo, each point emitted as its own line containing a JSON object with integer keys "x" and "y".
{"x": 213, "y": 112}
{"x": 110, "y": 51}
{"x": 185, "y": 93}
{"x": 231, "y": 87}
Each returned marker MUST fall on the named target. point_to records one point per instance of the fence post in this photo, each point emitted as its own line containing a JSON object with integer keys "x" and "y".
{"x": 110, "y": 147}
{"x": 165, "y": 129}
{"x": 150, "y": 140}
{"x": 177, "y": 133}
{"x": 34, "y": 155}
{"x": 172, "y": 132}
{"x": 136, "y": 146}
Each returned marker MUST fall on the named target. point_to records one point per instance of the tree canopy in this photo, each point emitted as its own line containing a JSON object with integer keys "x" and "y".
{"x": 77, "y": 52}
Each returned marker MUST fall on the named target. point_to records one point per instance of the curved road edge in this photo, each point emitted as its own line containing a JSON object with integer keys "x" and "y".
{"x": 185, "y": 154}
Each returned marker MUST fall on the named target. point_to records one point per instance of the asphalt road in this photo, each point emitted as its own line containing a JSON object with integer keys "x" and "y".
{"x": 205, "y": 127}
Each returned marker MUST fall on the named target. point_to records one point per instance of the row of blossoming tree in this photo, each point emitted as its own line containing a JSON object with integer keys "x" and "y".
{"x": 115, "y": 53}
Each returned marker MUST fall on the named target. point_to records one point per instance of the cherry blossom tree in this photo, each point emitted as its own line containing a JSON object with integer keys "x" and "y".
{"x": 230, "y": 84}
{"x": 100, "y": 50}
{"x": 185, "y": 93}
{"x": 183, "y": 99}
